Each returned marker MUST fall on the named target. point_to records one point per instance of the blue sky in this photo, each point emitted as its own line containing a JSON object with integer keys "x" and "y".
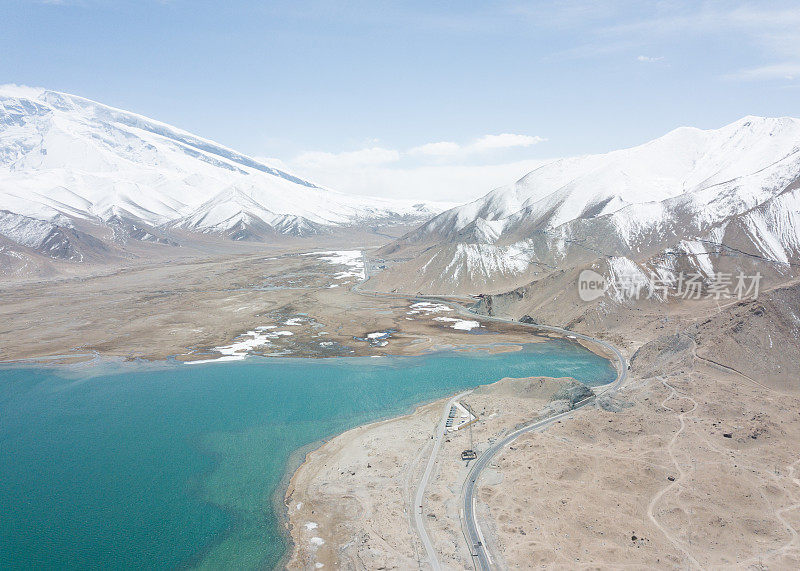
{"x": 424, "y": 99}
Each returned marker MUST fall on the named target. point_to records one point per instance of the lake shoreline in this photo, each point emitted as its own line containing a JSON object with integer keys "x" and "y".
{"x": 242, "y": 408}
{"x": 379, "y": 462}
{"x": 300, "y": 457}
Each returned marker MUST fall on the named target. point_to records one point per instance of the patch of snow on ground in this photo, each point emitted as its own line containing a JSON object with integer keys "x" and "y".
{"x": 698, "y": 256}
{"x": 317, "y": 541}
{"x": 311, "y": 525}
{"x": 238, "y": 350}
{"x": 427, "y": 308}
{"x": 353, "y": 259}
{"x": 626, "y": 279}
{"x": 11, "y": 253}
{"x": 486, "y": 260}
{"x": 376, "y": 338}
{"x": 460, "y": 324}
{"x": 26, "y": 231}
{"x": 294, "y": 321}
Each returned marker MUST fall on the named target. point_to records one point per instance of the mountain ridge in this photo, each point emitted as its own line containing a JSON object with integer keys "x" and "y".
{"x": 665, "y": 198}
{"x": 70, "y": 161}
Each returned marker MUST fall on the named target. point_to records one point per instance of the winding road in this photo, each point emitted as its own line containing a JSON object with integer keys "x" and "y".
{"x": 470, "y": 524}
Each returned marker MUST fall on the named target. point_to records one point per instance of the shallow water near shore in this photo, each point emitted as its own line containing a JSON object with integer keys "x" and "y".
{"x": 131, "y": 466}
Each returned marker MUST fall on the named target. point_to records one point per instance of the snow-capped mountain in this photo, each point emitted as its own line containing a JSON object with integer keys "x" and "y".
{"x": 70, "y": 163}
{"x": 683, "y": 196}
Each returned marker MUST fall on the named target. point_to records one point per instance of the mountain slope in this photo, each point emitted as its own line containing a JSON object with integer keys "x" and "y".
{"x": 67, "y": 161}
{"x": 680, "y": 198}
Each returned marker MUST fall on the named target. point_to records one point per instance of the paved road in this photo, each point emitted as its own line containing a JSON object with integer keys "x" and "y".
{"x": 470, "y": 523}
{"x": 419, "y": 515}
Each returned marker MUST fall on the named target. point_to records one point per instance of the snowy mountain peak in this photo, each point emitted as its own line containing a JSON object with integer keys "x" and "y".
{"x": 64, "y": 156}
{"x": 739, "y": 184}
{"x": 683, "y": 162}
{"x": 53, "y": 114}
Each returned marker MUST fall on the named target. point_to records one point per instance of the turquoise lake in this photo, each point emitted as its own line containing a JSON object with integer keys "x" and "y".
{"x": 131, "y": 466}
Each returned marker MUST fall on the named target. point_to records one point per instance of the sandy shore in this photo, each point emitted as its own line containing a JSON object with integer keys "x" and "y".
{"x": 349, "y": 503}
{"x": 695, "y": 467}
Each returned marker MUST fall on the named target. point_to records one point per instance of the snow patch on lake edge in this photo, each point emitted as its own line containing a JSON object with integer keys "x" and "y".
{"x": 377, "y": 338}
{"x": 460, "y": 324}
{"x": 428, "y": 308}
{"x": 243, "y": 344}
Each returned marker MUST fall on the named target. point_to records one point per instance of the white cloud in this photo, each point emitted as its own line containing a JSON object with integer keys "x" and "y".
{"x": 504, "y": 141}
{"x": 449, "y": 183}
{"x": 774, "y": 30}
{"x": 440, "y": 149}
{"x": 347, "y": 159}
{"x": 770, "y": 30}
{"x": 441, "y": 170}
{"x": 787, "y": 70}
{"x": 445, "y": 149}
